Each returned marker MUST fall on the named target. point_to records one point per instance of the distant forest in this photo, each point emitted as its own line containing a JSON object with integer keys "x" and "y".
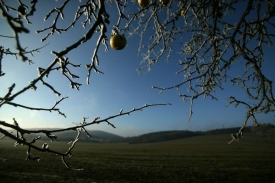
{"x": 265, "y": 130}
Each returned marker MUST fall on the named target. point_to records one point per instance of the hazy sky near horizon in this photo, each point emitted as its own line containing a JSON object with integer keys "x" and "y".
{"x": 120, "y": 87}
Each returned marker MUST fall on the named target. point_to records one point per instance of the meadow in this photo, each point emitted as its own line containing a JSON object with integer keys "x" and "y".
{"x": 195, "y": 159}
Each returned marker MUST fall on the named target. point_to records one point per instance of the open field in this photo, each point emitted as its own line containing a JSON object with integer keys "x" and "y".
{"x": 196, "y": 159}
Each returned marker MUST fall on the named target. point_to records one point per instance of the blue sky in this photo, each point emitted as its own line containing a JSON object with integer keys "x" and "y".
{"x": 120, "y": 87}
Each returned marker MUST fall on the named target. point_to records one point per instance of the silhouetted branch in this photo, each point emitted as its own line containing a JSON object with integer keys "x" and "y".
{"x": 21, "y": 140}
{"x": 208, "y": 35}
{"x": 13, "y": 22}
{"x": 203, "y": 35}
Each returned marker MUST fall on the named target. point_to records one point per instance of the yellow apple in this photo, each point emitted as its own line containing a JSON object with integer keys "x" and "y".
{"x": 143, "y": 3}
{"x": 118, "y": 42}
{"x": 164, "y": 2}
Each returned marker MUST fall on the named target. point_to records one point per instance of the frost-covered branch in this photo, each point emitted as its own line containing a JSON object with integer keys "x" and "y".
{"x": 79, "y": 128}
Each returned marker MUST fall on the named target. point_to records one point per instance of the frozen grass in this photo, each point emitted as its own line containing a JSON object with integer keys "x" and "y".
{"x": 197, "y": 159}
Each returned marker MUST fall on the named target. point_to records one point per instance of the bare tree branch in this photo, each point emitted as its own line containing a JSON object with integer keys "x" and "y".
{"x": 202, "y": 32}
{"x": 21, "y": 140}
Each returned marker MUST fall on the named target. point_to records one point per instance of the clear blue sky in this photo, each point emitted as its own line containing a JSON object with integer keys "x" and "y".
{"x": 120, "y": 87}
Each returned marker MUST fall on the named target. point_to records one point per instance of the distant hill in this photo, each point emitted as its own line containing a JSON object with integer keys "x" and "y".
{"x": 97, "y": 136}
{"x": 266, "y": 130}
{"x": 162, "y": 136}
{"x": 177, "y": 134}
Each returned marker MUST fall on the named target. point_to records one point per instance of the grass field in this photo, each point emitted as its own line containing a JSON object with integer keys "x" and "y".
{"x": 196, "y": 159}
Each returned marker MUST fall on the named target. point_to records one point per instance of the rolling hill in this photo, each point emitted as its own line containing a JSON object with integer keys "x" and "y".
{"x": 266, "y": 131}
{"x": 96, "y": 136}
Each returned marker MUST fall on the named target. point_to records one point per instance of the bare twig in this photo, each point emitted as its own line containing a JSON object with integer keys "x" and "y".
{"x": 20, "y": 132}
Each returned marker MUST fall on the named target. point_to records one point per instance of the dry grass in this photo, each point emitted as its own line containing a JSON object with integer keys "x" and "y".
{"x": 197, "y": 159}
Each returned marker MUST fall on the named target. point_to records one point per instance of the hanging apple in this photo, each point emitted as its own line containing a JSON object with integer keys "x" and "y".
{"x": 118, "y": 42}
{"x": 143, "y": 3}
{"x": 164, "y": 2}
{"x": 182, "y": 12}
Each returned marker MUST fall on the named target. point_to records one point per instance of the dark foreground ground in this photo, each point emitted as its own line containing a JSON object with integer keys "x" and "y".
{"x": 196, "y": 159}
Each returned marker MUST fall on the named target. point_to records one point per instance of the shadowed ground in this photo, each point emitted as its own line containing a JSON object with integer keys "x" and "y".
{"x": 195, "y": 159}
